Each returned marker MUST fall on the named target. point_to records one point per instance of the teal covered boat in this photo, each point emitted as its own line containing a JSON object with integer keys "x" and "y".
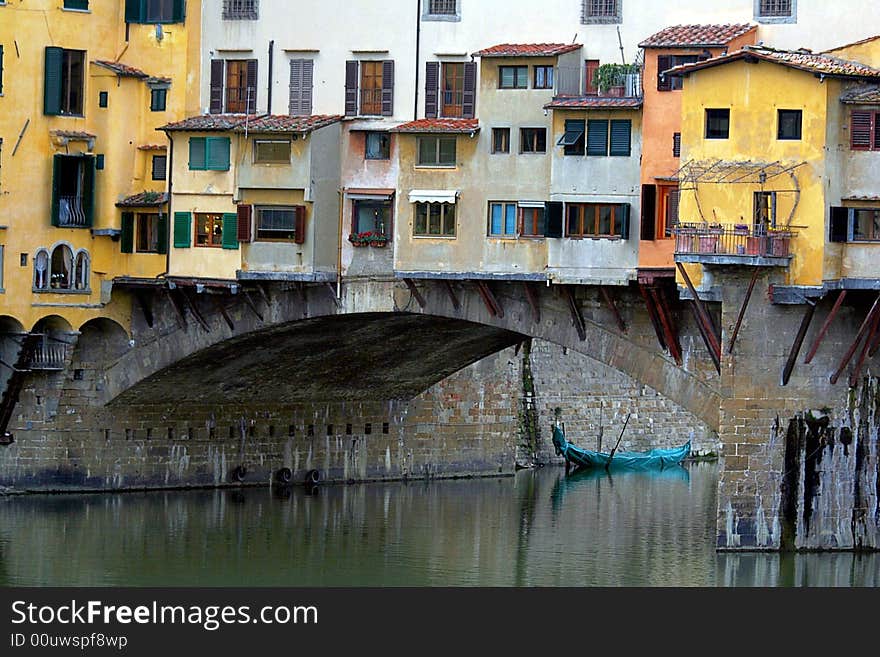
{"x": 584, "y": 458}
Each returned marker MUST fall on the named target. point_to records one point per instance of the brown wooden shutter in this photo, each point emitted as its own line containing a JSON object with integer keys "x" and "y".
{"x": 299, "y": 228}
{"x": 676, "y": 144}
{"x": 861, "y": 130}
{"x": 388, "y": 87}
{"x": 294, "y": 106}
{"x": 664, "y": 63}
{"x": 251, "y": 98}
{"x": 432, "y": 87}
{"x": 649, "y": 212}
{"x": 308, "y": 75}
{"x": 876, "y": 130}
{"x": 469, "y": 100}
{"x": 244, "y": 222}
{"x": 216, "y": 99}
{"x": 351, "y": 88}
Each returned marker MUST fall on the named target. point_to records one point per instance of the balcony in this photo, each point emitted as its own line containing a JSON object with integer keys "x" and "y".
{"x": 732, "y": 244}
{"x": 48, "y": 355}
{"x": 623, "y": 81}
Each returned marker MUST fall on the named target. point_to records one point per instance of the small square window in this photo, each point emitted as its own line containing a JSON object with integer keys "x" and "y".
{"x": 436, "y": 151}
{"x": 572, "y": 140}
{"x": 271, "y": 151}
{"x": 378, "y": 146}
{"x": 513, "y": 77}
{"x": 533, "y": 140}
{"x": 157, "y": 99}
{"x": 99, "y": 161}
{"x": 502, "y": 219}
{"x": 717, "y": 123}
{"x": 676, "y": 144}
{"x": 789, "y": 124}
{"x": 500, "y": 140}
{"x": 543, "y": 77}
{"x": 103, "y": 98}
{"x": 159, "y": 167}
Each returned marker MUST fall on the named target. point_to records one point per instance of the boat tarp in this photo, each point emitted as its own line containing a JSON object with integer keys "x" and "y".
{"x": 585, "y": 458}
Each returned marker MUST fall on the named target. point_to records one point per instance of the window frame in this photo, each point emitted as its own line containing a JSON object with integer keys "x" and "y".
{"x": 142, "y": 218}
{"x": 443, "y": 218}
{"x": 867, "y": 131}
{"x": 238, "y": 10}
{"x": 447, "y": 14}
{"x": 384, "y": 145}
{"x": 215, "y": 218}
{"x": 137, "y": 11}
{"x": 437, "y": 150}
{"x": 708, "y": 118}
{"x": 158, "y": 98}
{"x": 875, "y": 236}
{"x": 294, "y": 210}
{"x": 523, "y": 140}
{"x": 207, "y": 153}
{"x": 800, "y": 123}
{"x": 601, "y": 12}
{"x": 548, "y": 80}
{"x": 388, "y": 204}
{"x": 451, "y": 110}
{"x": 82, "y": 9}
{"x": 505, "y": 133}
{"x": 521, "y": 222}
{"x": 765, "y": 13}
{"x": 518, "y": 81}
{"x": 571, "y": 149}
{"x": 504, "y": 234}
{"x": 155, "y": 159}
{"x": 583, "y": 220}
{"x": 280, "y": 161}
{"x": 370, "y": 96}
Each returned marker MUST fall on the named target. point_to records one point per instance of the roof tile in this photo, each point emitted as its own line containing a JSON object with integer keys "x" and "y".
{"x": 253, "y": 123}
{"x": 440, "y": 125}
{"x": 121, "y": 69}
{"x": 869, "y": 95}
{"x": 144, "y": 200}
{"x": 679, "y": 36}
{"x": 528, "y": 50}
{"x": 594, "y": 102}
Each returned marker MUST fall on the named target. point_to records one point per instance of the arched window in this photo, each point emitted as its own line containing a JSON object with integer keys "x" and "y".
{"x": 61, "y": 268}
{"x": 81, "y": 270}
{"x": 41, "y": 270}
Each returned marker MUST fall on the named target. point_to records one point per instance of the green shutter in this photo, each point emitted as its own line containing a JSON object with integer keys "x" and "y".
{"x": 623, "y": 209}
{"x": 135, "y": 11}
{"x": 88, "y": 190}
{"x": 217, "y": 158}
{"x": 52, "y": 81}
{"x": 597, "y": 137}
{"x": 56, "y": 191}
{"x": 126, "y": 244}
{"x": 230, "y": 230}
{"x": 162, "y": 230}
{"x": 182, "y": 230}
{"x": 76, "y": 4}
{"x": 179, "y": 14}
{"x": 197, "y": 152}
{"x": 620, "y": 137}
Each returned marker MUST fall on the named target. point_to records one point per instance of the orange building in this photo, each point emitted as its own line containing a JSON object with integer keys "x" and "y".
{"x": 661, "y": 133}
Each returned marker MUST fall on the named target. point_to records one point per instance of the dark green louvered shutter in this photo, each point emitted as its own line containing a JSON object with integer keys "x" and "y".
{"x": 649, "y": 211}
{"x": 162, "y": 233}
{"x": 133, "y": 13}
{"x": 88, "y": 188}
{"x": 230, "y": 230}
{"x": 553, "y": 210}
{"x": 76, "y": 4}
{"x": 126, "y": 242}
{"x": 182, "y": 230}
{"x": 620, "y": 137}
{"x": 217, "y": 157}
{"x": 56, "y": 189}
{"x": 597, "y": 137}
{"x": 623, "y": 209}
{"x": 52, "y": 81}
{"x": 839, "y": 224}
{"x": 197, "y": 152}
{"x": 179, "y": 14}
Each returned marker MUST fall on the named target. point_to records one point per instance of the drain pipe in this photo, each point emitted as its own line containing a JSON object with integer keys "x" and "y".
{"x": 269, "y": 91}
{"x": 341, "y": 192}
{"x": 169, "y": 167}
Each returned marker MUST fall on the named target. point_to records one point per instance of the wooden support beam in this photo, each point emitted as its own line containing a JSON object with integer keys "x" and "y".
{"x": 533, "y": 297}
{"x": 263, "y": 293}
{"x": 798, "y": 341}
{"x": 869, "y": 318}
{"x": 246, "y": 295}
{"x": 190, "y": 302}
{"x": 875, "y": 346}
{"x": 452, "y": 296}
{"x": 670, "y": 335}
{"x": 414, "y": 291}
{"x": 221, "y": 308}
{"x": 336, "y": 300}
{"x": 703, "y": 332}
{"x": 144, "y": 302}
{"x": 827, "y": 323}
{"x": 178, "y": 310}
{"x": 652, "y": 315}
{"x": 301, "y": 289}
{"x": 869, "y": 340}
{"x": 489, "y": 299}
{"x": 576, "y": 316}
{"x": 742, "y": 310}
{"x": 606, "y": 295}
{"x": 712, "y": 335}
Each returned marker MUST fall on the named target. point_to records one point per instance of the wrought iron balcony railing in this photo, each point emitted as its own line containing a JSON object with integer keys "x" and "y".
{"x": 71, "y": 213}
{"x": 731, "y": 240}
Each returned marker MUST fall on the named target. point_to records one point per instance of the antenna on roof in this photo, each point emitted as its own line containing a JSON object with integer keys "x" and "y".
{"x": 620, "y": 41}
{"x": 574, "y": 38}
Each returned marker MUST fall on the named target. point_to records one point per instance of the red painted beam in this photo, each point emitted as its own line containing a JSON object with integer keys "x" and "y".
{"x": 704, "y": 332}
{"x": 825, "y": 325}
{"x": 869, "y": 318}
{"x": 610, "y": 301}
{"x": 712, "y": 337}
{"x": 742, "y": 310}
{"x": 532, "y": 296}
{"x": 668, "y": 326}
{"x": 414, "y": 291}
{"x": 652, "y": 314}
{"x": 452, "y": 296}
{"x": 576, "y": 316}
{"x": 857, "y": 371}
{"x": 798, "y": 341}
{"x": 489, "y": 299}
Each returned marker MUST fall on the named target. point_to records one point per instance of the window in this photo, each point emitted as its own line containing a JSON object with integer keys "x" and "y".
{"x": 513, "y": 77}
{"x": 765, "y": 211}
{"x": 543, "y": 78}
{"x": 717, "y": 123}
{"x": 434, "y": 219}
{"x": 159, "y": 167}
{"x": 450, "y": 89}
{"x": 81, "y": 271}
{"x": 609, "y": 137}
{"x": 788, "y": 124}
{"x": 272, "y": 151}
{"x": 147, "y": 233}
{"x": 866, "y": 224}
{"x": 453, "y": 90}
{"x": 573, "y": 138}
{"x": 533, "y": 140}
{"x": 369, "y": 88}
{"x": 500, "y": 140}
{"x": 82, "y": 5}
{"x": 103, "y": 99}
{"x": 775, "y": 11}
{"x": 241, "y": 10}
{"x": 278, "y": 223}
{"x": 64, "y": 82}
{"x": 209, "y": 229}
{"x": 863, "y": 134}
{"x": 157, "y": 99}
{"x": 62, "y": 270}
{"x": 1, "y": 69}
{"x": 502, "y": 219}
{"x": 301, "y": 77}
{"x": 233, "y": 86}
{"x": 1, "y": 267}
{"x": 155, "y": 11}
{"x": 73, "y": 190}
{"x": 591, "y": 87}
{"x": 666, "y": 62}
{"x": 209, "y": 153}
{"x": 99, "y": 161}
{"x": 597, "y": 220}
{"x": 377, "y": 146}
{"x": 601, "y": 11}
{"x": 668, "y": 210}
{"x": 442, "y": 7}
{"x": 532, "y": 220}
{"x": 372, "y": 217}
{"x": 676, "y": 144}
{"x": 436, "y": 151}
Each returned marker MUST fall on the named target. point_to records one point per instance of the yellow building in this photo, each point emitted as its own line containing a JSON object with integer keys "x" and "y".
{"x": 765, "y": 141}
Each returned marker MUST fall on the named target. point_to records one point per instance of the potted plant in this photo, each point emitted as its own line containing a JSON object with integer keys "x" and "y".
{"x": 358, "y": 239}
{"x": 610, "y": 79}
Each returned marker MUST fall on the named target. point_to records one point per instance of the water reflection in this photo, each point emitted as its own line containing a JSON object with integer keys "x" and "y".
{"x": 539, "y": 528}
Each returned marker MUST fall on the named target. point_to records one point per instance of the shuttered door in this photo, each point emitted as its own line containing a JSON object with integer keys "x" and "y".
{"x": 432, "y": 86}
{"x": 387, "y": 88}
{"x": 126, "y": 243}
{"x": 301, "y": 87}
{"x": 216, "y": 98}
{"x": 597, "y": 137}
{"x": 251, "y": 97}
{"x": 182, "y": 230}
{"x": 620, "y": 137}
{"x": 469, "y": 97}
{"x": 162, "y": 233}
{"x": 553, "y": 210}
{"x": 52, "y": 81}
{"x": 244, "y": 223}
{"x": 664, "y": 83}
{"x": 861, "y": 130}
{"x": 839, "y": 225}
{"x": 649, "y": 209}
{"x": 230, "y": 230}
{"x": 351, "y": 88}
{"x": 87, "y": 163}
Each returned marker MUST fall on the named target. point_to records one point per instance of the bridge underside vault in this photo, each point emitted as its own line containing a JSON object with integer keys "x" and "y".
{"x": 374, "y": 356}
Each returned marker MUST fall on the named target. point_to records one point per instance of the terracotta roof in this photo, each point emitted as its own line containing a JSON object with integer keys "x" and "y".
{"x": 594, "y": 102}
{"x": 255, "y": 123}
{"x": 854, "y": 43}
{"x": 73, "y": 134}
{"x": 696, "y": 35}
{"x": 440, "y": 125}
{"x": 144, "y": 200}
{"x": 863, "y": 197}
{"x": 528, "y": 50}
{"x": 862, "y": 96}
{"x": 121, "y": 69}
{"x": 803, "y": 60}
{"x": 152, "y": 147}
{"x": 285, "y": 123}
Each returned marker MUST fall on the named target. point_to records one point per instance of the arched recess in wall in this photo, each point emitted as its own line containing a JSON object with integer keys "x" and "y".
{"x": 57, "y": 337}
{"x": 61, "y": 268}
{"x": 101, "y": 342}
